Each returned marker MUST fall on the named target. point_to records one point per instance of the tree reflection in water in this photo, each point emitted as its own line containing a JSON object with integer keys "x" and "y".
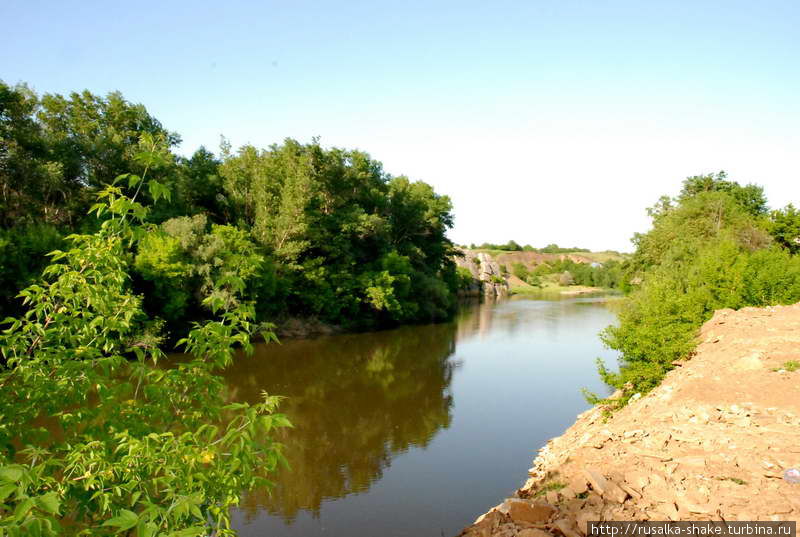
{"x": 356, "y": 400}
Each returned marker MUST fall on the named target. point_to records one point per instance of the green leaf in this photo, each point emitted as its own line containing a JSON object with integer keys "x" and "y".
{"x": 22, "y": 508}
{"x": 197, "y": 531}
{"x": 33, "y": 528}
{"x": 49, "y": 503}
{"x": 6, "y": 490}
{"x": 157, "y": 190}
{"x": 146, "y": 529}
{"x": 124, "y": 521}
{"x": 11, "y": 473}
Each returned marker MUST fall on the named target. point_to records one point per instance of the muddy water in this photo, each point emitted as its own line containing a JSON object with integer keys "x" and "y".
{"x": 416, "y": 431}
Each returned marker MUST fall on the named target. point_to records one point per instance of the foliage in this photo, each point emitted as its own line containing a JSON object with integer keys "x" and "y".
{"x": 97, "y": 440}
{"x": 465, "y": 278}
{"x": 785, "y": 228}
{"x": 55, "y": 151}
{"x": 351, "y": 241}
{"x": 749, "y": 197}
{"x": 566, "y": 279}
{"x": 534, "y": 280}
{"x": 708, "y": 249}
{"x": 519, "y": 270}
{"x": 184, "y": 264}
{"x": 556, "y": 249}
{"x": 337, "y": 237}
{"x": 23, "y": 250}
{"x": 607, "y": 275}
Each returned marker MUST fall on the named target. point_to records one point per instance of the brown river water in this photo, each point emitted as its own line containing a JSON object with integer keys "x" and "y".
{"x": 418, "y": 430}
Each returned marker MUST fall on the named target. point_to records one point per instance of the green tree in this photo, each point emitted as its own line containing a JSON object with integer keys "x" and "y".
{"x": 350, "y": 240}
{"x": 750, "y": 197}
{"x": 707, "y": 249}
{"x": 785, "y": 228}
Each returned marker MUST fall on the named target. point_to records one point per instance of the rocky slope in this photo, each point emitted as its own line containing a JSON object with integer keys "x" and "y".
{"x": 712, "y": 442}
{"x": 488, "y": 279}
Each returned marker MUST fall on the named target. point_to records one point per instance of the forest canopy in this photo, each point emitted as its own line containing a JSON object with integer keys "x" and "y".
{"x": 340, "y": 239}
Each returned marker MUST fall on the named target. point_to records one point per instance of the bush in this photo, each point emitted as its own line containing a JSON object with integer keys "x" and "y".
{"x": 140, "y": 447}
{"x": 534, "y": 280}
{"x": 722, "y": 260}
{"x": 520, "y": 271}
{"x": 566, "y": 279}
{"x": 465, "y": 278}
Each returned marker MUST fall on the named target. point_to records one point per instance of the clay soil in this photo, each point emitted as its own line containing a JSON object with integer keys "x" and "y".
{"x": 712, "y": 442}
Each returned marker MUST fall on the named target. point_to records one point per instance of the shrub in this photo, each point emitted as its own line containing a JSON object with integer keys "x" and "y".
{"x": 139, "y": 448}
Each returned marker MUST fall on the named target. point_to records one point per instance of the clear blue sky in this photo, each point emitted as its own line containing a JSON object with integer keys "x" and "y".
{"x": 545, "y": 121}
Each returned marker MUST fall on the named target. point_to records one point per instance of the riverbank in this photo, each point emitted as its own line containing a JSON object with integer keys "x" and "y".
{"x": 712, "y": 442}
{"x": 521, "y": 288}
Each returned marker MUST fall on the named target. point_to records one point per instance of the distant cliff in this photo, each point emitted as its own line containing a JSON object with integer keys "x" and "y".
{"x": 488, "y": 280}
{"x": 491, "y": 270}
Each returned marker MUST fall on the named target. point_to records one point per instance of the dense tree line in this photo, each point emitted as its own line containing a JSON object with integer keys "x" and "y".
{"x": 716, "y": 245}
{"x": 607, "y": 275}
{"x": 340, "y": 239}
{"x": 513, "y": 246}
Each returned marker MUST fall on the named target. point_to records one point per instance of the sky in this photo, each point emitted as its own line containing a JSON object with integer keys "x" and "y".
{"x": 544, "y": 121}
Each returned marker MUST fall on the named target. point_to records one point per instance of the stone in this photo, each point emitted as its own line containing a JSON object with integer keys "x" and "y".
{"x": 565, "y": 527}
{"x": 583, "y": 519}
{"x": 616, "y": 493}
{"x": 552, "y": 497}
{"x": 485, "y": 524}
{"x": 605, "y": 488}
{"x": 742, "y": 422}
{"x": 654, "y": 455}
{"x": 567, "y": 493}
{"x": 669, "y": 510}
{"x": 596, "y": 480}
{"x": 527, "y": 511}
{"x": 696, "y": 462}
{"x": 781, "y": 508}
{"x": 533, "y": 532}
{"x": 633, "y": 493}
{"x": 578, "y": 484}
{"x": 637, "y": 479}
{"x": 694, "y": 502}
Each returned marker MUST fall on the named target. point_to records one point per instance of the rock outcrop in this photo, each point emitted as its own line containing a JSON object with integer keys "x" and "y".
{"x": 488, "y": 279}
{"x": 717, "y": 440}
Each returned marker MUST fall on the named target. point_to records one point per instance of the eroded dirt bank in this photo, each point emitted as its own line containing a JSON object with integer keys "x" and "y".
{"x": 711, "y": 443}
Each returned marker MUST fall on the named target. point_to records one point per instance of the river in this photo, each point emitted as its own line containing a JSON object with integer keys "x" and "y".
{"x": 416, "y": 431}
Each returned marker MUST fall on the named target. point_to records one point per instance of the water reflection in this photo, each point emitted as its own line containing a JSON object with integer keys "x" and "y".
{"x": 356, "y": 401}
{"x": 415, "y": 431}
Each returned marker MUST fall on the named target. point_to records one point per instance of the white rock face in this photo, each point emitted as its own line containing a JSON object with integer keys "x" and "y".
{"x": 489, "y": 281}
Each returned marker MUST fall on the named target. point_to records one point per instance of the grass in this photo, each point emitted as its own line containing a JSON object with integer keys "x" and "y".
{"x": 791, "y": 365}
{"x": 548, "y": 487}
{"x": 550, "y": 287}
{"x": 733, "y": 479}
